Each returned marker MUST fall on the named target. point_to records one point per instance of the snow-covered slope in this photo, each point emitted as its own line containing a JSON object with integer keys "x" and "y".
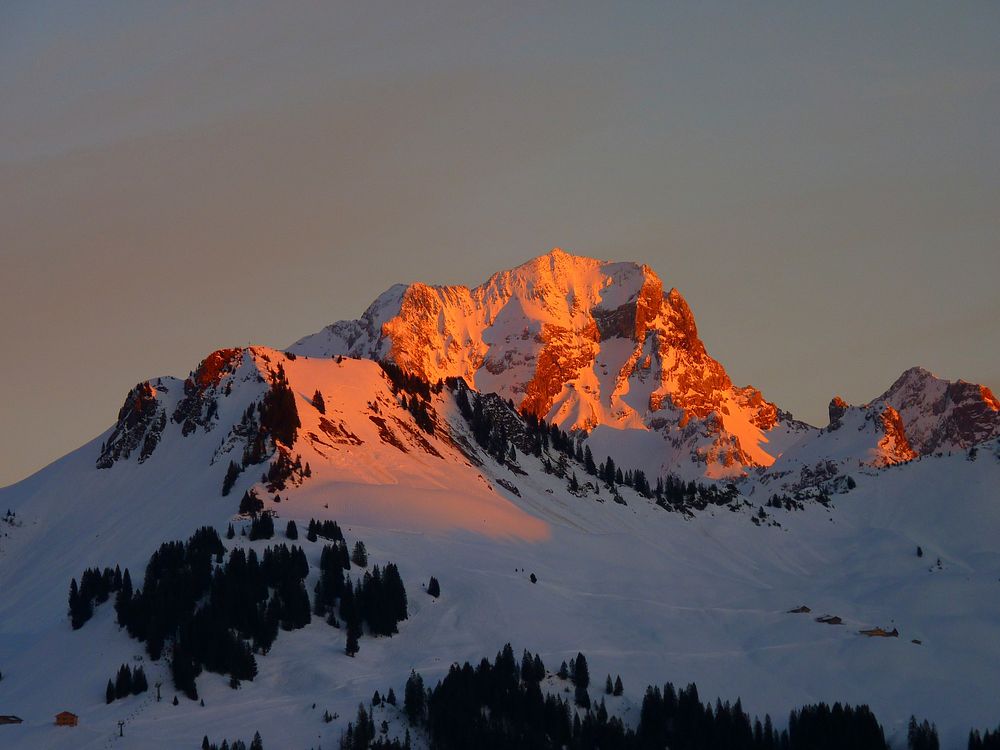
{"x": 695, "y": 591}
{"x": 644, "y": 592}
{"x": 585, "y": 344}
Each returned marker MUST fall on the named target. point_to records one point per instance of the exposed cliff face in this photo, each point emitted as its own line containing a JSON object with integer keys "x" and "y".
{"x": 156, "y": 409}
{"x": 139, "y": 427}
{"x": 578, "y": 341}
{"x": 894, "y": 447}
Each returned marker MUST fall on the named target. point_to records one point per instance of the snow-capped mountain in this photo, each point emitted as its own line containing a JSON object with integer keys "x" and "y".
{"x": 584, "y": 344}
{"x": 602, "y": 347}
{"x": 535, "y": 539}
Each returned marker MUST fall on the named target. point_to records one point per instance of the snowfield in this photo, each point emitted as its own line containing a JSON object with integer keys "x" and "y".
{"x": 646, "y": 593}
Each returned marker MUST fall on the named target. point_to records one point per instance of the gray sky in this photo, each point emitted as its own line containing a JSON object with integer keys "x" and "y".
{"x": 821, "y": 181}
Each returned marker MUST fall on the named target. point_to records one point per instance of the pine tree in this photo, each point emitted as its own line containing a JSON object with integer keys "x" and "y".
{"x": 250, "y": 503}
{"x": 318, "y": 402}
{"x": 139, "y": 683}
{"x": 608, "y": 687}
{"x": 581, "y": 674}
{"x": 619, "y": 689}
{"x": 123, "y": 682}
{"x": 352, "y": 639}
{"x": 434, "y": 588}
{"x": 413, "y": 698}
{"x": 360, "y": 555}
{"x": 109, "y": 693}
{"x": 256, "y": 743}
{"x": 230, "y": 532}
{"x": 232, "y": 474}
{"x": 80, "y": 606}
{"x": 609, "y": 476}
{"x": 291, "y": 530}
{"x": 390, "y": 697}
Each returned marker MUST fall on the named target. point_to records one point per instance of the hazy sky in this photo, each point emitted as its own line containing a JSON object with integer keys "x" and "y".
{"x": 820, "y": 181}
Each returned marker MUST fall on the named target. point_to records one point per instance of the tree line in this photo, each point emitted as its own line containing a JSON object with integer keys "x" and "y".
{"x": 502, "y": 704}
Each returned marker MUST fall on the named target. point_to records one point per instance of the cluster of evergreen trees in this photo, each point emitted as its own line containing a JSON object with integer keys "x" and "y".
{"x": 615, "y": 688}
{"x": 250, "y": 503}
{"x": 577, "y": 672}
{"x": 421, "y": 411}
{"x": 126, "y": 682}
{"x": 255, "y": 744}
{"x": 261, "y": 526}
{"x": 988, "y": 740}
{"x": 360, "y": 733}
{"x": 212, "y": 609}
{"x": 359, "y": 555}
{"x": 400, "y": 380}
{"x": 489, "y": 432}
{"x": 674, "y": 493}
{"x": 501, "y": 704}
{"x": 278, "y": 416}
{"x": 326, "y": 529}
{"x": 922, "y": 735}
{"x": 782, "y": 500}
{"x": 377, "y": 600}
{"x": 318, "y": 402}
{"x": 822, "y": 727}
{"x": 283, "y": 468}
{"x": 419, "y": 390}
{"x": 95, "y": 588}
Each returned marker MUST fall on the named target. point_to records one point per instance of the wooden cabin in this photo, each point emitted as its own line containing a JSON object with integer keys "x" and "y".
{"x": 877, "y": 632}
{"x": 67, "y": 719}
{"x": 8, "y": 719}
{"x": 829, "y": 620}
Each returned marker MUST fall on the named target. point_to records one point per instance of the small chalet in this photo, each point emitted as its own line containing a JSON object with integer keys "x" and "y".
{"x": 67, "y": 719}
{"x": 10, "y": 719}
{"x": 880, "y": 633}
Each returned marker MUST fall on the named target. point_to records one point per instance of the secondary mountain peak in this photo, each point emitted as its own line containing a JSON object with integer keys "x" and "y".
{"x": 942, "y": 415}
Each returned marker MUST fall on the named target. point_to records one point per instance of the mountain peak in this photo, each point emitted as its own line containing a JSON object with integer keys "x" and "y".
{"x": 580, "y": 342}
{"x": 942, "y": 415}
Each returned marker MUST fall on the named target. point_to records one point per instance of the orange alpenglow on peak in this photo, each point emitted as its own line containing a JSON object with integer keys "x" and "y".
{"x": 603, "y": 347}
{"x": 581, "y": 342}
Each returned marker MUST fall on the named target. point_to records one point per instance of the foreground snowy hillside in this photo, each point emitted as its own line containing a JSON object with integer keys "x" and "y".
{"x": 651, "y": 592}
